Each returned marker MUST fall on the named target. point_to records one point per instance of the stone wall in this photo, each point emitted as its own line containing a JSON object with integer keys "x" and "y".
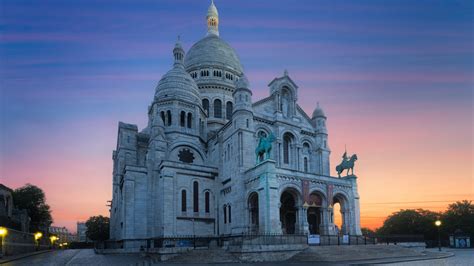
{"x": 17, "y": 242}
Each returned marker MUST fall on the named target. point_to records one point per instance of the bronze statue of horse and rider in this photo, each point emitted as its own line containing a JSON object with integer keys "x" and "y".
{"x": 264, "y": 147}
{"x": 346, "y": 164}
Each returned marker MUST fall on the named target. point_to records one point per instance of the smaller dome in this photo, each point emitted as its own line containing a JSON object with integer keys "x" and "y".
{"x": 177, "y": 84}
{"x": 318, "y": 112}
{"x": 242, "y": 83}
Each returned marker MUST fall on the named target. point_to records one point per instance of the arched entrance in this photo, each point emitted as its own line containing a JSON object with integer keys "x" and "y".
{"x": 253, "y": 212}
{"x": 314, "y": 213}
{"x": 288, "y": 212}
{"x": 339, "y": 214}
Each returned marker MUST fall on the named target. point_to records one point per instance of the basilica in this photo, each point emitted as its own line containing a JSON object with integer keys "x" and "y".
{"x": 213, "y": 161}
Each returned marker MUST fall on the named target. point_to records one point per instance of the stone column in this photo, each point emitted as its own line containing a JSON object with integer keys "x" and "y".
{"x": 354, "y": 228}
{"x": 269, "y": 209}
{"x": 304, "y": 221}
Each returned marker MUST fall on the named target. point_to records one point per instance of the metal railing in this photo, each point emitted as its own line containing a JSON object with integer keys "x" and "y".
{"x": 265, "y": 239}
{"x": 258, "y": 239}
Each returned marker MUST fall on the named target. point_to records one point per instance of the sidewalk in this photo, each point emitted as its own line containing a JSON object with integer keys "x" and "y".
{"x": 6, "y": 259}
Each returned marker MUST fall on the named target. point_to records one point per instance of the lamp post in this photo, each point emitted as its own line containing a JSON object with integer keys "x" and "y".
{"x": 438, "y": 225}
{"x": 3, "y": 233}
{"x": 53, "y": 238}
{"x": 38, "y": 235}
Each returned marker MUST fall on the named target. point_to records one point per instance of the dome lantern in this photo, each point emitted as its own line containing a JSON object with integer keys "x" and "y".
{"x": 178, "y": 53}
{"x": 212, "y": 20}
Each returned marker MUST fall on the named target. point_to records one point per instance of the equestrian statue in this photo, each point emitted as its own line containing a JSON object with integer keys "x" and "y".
{"x": 347, "y": 163}
{"x": 264, "y": 147}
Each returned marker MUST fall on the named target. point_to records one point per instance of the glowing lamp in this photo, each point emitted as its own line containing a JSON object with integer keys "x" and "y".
{"x": 3, "y": 231}
{"x": 438, "y": 223}
{"x": 53, "y": 238}
{"x": 38, "y": 235}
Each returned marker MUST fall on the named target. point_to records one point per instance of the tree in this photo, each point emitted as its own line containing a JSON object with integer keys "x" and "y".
{"x": 459, "y": 215}
{"x": 411, "y": 222}
{"x": 32, "y": 199}
{"x": 98, "y": 228}
{"x": 367, "y": 231}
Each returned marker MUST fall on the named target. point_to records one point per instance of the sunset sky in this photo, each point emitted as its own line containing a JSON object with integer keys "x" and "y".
{"x": 395, "y": 79}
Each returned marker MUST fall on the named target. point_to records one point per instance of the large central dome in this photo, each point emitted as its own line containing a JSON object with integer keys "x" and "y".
{"x": 212, "y": 51}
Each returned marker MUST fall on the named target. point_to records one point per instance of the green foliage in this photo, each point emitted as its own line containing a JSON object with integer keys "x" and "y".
{"x": 367, "y": 232}
{"x": 459, "y": 215}
{"x": 32, "y": 199}
{"x": 411, "y": 222}
{"x": 98, "y": 228}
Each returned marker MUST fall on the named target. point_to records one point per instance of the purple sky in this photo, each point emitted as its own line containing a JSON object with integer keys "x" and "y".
{"x": 394, "y": 77}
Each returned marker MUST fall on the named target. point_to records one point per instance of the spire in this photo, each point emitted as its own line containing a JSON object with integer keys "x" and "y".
{"x": 212, "y": 20}
{"x": 178, "y": 52}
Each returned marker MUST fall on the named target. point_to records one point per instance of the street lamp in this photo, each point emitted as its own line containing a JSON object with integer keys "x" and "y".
{"x": 38, "y": 235}
{"x": 3, "y": 233}
{"x": 438, "y": 225}
{"x": 53, "y": 238}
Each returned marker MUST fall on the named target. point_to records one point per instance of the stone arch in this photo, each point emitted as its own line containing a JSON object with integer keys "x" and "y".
{"x": 288, "y": 86}
{"x": 253, "y": 206}
{"x": 288, "y": 140}
{"x": 314, "y": 212}
{"x": 182, "y": 119}
{"x": 341, "y": 216}
{"x": 264, "y": 128}
{"x": 208, "y": 200}
{"x": 206, "y": 105}
{"x": 189, "y": 120}
{"x": 229, "y": 108}
{"x": 183, "y": 199}
{"x": 292, "y": 132}
{"x": 217, "y": 106}
{"x": 290, "y": 207}
{"x": 322, "y": 193}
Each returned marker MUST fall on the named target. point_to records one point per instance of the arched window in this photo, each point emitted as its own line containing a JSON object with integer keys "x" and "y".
{"x": 228, "y": 110}
{"x": 190, "y": 120}
{"x": 253, "y": 208}
{"x": 182, "y": 119}
{"x": 205, "y": 105}
{"x": 168, "y": 114}
{"x": 230, "y": 213}
{"x": 206, "y": 202}
{"x": 225, "y": 214}
{"x": 305, "y": 165}
{"x": 163, "y": 117}
{"x": 286, "y": 148}
{"x": 217, "y": 108}
{"x": 196, "y": 196}
{"x": 306, "y": 148}
{"x": 183, "y": 200}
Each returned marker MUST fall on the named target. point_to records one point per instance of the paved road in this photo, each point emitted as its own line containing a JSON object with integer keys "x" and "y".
{"x": 88, "y": 257}
{"x": 78, "y": 257}
{"x": 461, "y": 257}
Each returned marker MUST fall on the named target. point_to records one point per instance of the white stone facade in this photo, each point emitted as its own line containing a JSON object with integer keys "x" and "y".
{"x": 194, "y": 171}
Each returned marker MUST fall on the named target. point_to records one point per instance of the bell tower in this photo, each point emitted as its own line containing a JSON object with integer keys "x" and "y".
{"x": 212, "y": 20}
